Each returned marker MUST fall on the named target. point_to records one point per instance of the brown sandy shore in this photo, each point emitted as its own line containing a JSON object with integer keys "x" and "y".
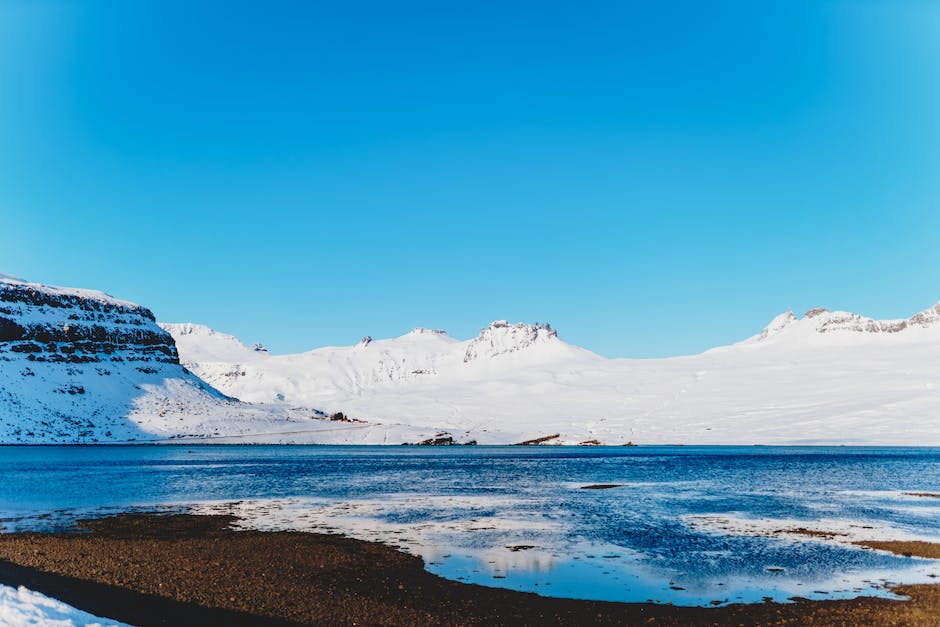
{"x": 193, "y": 570}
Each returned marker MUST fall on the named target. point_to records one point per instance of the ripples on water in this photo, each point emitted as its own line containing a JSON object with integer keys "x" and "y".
{"x": 688, "y": 525}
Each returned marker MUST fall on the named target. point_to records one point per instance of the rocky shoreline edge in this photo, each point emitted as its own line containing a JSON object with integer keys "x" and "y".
{"x": 183, "y": 569}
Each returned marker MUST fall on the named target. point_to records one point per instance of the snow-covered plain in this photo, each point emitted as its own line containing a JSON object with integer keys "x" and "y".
{"x": 21, "y": 607}
{"x": 828, "y": 377}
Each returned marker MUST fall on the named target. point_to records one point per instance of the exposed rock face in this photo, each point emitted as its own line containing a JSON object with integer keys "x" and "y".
{"x": 820, "y": 320}
{"x": 49, "y": 324}
{"x": 925, "y": 318}
{"x": 840, "y": 321}
{"x": 501, "y": 337}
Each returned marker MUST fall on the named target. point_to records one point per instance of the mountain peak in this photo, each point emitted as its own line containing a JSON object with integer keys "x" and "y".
{"x": 188, "y": 328}
{"x": 422, "y": 334}
{"x": 424, "y": 331}
{"x": 779, "y": 323}
{"x": 501, "y": 337}
{"x": 203, "y": 343}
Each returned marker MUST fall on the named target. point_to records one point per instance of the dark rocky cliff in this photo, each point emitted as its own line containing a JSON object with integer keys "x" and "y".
{"x": 47, "y": 324}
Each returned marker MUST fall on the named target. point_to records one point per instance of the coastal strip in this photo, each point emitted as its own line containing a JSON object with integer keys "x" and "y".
{"x": 187, "y": 569}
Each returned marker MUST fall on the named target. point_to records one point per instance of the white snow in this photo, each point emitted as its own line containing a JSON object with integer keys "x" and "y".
{"x": 67, "y": 291}
{"x": 842, "y": 531}
{"x": 204, "y": 344}
{"x": 829, "y": 377}
{"x": 21, "y": 607}
{"x": 778, "y": 324}
{"x": 825, "y": 378}
{"x": 389, "y": 519}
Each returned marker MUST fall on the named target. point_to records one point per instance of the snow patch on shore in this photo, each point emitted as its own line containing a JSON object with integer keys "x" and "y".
{"x": 420, "y": 525}
{"x": 21, "y": 607}
{"x": 839, "y": 530}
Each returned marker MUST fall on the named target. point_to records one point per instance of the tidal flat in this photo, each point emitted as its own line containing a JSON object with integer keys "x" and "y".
{"x": 185, "y": 570}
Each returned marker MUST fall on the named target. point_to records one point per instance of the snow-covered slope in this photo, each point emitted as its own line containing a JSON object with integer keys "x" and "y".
{"x": 828, "y": 377}
{"x": 227, "y": 363}
{"x": 21, "y": 607}
{"x": 80, "y": 366}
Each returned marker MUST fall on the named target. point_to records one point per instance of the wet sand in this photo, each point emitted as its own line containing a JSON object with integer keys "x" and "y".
{"x": 909, "y": 548}
{"x": 193, "y": 570}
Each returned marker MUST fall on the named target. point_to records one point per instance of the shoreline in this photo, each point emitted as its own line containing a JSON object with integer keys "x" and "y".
{"x": 184, "y": 569}
{"x": 214, "y": 441}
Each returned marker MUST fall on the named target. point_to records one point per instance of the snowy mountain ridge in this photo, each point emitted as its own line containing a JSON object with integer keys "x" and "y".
{"x": 826, "y": 377}
{"x": 824, "y": 321}
{"x": 420, "y": 353}
{"x": 81, "y": 366}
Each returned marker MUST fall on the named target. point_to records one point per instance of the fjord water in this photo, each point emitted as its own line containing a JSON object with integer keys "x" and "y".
{"x": 688, "y": 525}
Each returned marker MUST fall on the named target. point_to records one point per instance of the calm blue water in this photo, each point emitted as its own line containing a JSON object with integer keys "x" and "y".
{"x": 689, "y": 525}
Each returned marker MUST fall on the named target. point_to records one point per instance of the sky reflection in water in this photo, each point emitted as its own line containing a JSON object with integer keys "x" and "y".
{"x": 687, "y": 525}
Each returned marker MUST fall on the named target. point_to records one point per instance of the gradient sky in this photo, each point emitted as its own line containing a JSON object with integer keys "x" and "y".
{"x": 653, "y": 178}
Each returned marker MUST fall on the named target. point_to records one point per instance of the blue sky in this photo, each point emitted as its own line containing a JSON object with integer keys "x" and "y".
{"x": 654, "y": 178}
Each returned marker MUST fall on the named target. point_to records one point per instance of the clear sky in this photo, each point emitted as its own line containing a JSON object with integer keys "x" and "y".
{"x": 653, "y": 178}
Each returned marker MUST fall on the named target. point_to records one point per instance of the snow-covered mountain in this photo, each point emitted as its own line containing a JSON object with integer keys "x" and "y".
{"x": 81, "y": 366}
{"x": 828, "y": 377}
